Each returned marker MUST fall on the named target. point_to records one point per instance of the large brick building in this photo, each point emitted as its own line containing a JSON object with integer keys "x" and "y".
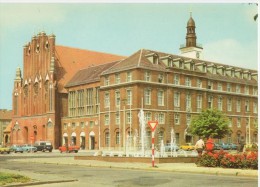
{"x": 93, "y": 99}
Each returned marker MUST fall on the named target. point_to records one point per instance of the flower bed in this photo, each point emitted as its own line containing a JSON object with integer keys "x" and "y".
{"x": 224, "y": 159}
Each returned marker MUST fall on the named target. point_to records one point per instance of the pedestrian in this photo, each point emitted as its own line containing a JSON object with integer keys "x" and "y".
{"x": 199, "y": 146}
{"x": 210, "y": 144}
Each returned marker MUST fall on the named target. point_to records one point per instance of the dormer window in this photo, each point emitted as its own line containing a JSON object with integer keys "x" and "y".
{"x": 153, "y": 58}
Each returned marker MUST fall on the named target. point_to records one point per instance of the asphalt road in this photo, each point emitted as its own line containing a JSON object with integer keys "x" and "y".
{"x": 97, "y": 177}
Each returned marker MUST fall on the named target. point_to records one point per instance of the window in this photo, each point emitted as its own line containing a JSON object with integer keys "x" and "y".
{"x": 188, "y": 119}
{"x": 238, "y": 105}
{"x": 117, "y": 98}
{"x": 117, "y": 138}
{"x": 229, "y": 104}
{"x": 230, "y": 122}
{"x": 65, "y": 126}
{"x": 219, "y": 86}
{"x": 107, "y": 139}
{"x": 246, "y": 90}
{"x": 199, "y": 83}
{"x": 210, "y": 102}
{"x": 176, "y": 79}
{"x": 160, "y": 137}
{"x": 147, "y": 97}
{"x": 176, "y": 99}
{"x": 148, "y": 116}
{"x": 237, "y": 88}
{"x": 147, "y": 76}
{"x": 229, "y": 87}
{"x": 176, "y": 119}
{"x": 187, "y": 81}
{"x": 129, "y": 117}
{"x": 80, "y": 102}
{"x": 89, "y": 101}
{"x": 199, "y": 103}
{"x": 255, "y": 107}
{"x": 117, "y": 118}
{"x": 160, "y": 98}
{"x": 73, "y": 125}
{"x": 220, "y": 103}
{"x": 210, "y": 85}
{"x": 91, "y": 124}
{"x": 129, "y": 97}
{"x": 160, "y": 78}
{"x": 188, "y": 101}
{"x": 254, "y": 91}
{"x": 117, "y": 78}
{"x": 238, "y": 122}
{"x": 82, "y": 125}
{"x": 107, "y": 100}
{"x": 106, "y": 80}
{"x": 128, "y": 76}
{"x": 161, "y": 119}
{"x": 72, "y": 103}
{"x": 106, "y": 119}
{"x": 247, "y": 106}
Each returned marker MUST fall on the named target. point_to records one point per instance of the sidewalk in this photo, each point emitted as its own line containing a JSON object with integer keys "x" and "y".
{"x": 167, "y": 167}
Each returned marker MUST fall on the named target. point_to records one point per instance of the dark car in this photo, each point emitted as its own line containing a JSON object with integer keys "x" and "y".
{"x": 43, "y": 146}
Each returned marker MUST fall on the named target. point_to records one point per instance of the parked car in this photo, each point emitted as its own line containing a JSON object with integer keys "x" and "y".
{"x": 16, "y": 148}
{"x": 224, "y": 146}
{"x": 187, "y": 147}
{"x": 217, "y": 146}
{"x": 69, "y": 149}
{"x": 29, "y": 148}
{"x": 232, "y": 146}
{"x": 5, "y": 150}
{"x": 168, "y": 147}
{"x": 43, "y": 146}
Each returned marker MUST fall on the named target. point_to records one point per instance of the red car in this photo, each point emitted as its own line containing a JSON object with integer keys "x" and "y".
{"x": 69, "y": 149}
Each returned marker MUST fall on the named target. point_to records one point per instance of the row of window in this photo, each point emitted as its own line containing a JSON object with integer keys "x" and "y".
{"x": 82, "y": 125}
{"x": 188, "y": 83}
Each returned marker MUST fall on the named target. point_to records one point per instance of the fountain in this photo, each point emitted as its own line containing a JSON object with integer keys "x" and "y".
{"x": 173, "y": 142}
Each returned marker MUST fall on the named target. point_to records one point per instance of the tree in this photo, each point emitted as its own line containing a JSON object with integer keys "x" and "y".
{"x": 210, "y": 122}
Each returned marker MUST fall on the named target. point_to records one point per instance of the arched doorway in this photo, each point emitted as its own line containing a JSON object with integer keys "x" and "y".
{"x": 65, "y": 139}
{"x": 73, "y": 139}
{"x": 6, "y": 140}
{"x": 91, "y": 140}
{"x": 82, "y": 140}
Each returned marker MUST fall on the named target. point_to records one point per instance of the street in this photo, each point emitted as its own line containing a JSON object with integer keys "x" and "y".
{"x": 98, "y": 176}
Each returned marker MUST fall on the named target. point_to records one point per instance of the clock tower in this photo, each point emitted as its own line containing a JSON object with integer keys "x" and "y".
{"x": 191, "y": 49}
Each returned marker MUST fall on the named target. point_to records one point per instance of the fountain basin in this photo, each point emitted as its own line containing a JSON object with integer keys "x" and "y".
{"x": 138, "y": 159}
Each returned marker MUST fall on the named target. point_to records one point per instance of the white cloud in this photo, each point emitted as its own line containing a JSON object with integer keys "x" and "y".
{"x": 232, "y": 52}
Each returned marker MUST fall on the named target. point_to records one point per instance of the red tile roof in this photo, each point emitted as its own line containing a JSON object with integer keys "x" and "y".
{"x": 8, "y": 127}
{"x": 70, "y": 60}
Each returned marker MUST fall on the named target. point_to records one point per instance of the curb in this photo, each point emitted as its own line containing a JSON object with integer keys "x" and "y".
{"x": 41, "y": 182}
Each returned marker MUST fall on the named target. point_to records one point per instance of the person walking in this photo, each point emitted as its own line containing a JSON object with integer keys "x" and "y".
{"x": 199, "y": 146}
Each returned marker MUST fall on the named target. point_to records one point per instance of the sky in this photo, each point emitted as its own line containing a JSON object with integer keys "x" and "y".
{"x": 227, "y": 31}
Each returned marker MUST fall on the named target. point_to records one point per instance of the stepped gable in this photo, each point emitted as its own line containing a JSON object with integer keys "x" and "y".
{"x": 69, "y": 60}
{"x": 89, "y": 75}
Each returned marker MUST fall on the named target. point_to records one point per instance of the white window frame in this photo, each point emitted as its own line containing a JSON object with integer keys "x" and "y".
{"x": 160, "y": 97}
{"x": 117, "y": 118}
{"x": 117, "y": 78}
{"x": 129, "y": 76}
{"x": 147, "y": 96}
{"x": 238, "y": 106}
{"x": 199, "y": 83}
{"x": 147, "y": 76}
{"x": 176, "y": 80}
{"x": 219, "y": 86}
{"x": 129, "y": 95}
{"x": 255, "y": 107}
{"x": 188, "y": 101}
{"x": 177, "y": 119}
{"x": 188, "y": 81}
{"x": 117, "y": 98}
{"x": 107, "y": 100}
{"x": 229, "y": 87}
{"x": 229, "y": 104}
{"x": 161, "y": 118}
{"x": 107, "y": 120}
{"x": 199, "y": 102}
{"x": 177, "y": 96}
{"x": 220, "y": 103}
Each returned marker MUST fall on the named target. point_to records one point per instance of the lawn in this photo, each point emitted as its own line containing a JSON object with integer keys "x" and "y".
{"x": 6, "y": 178}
